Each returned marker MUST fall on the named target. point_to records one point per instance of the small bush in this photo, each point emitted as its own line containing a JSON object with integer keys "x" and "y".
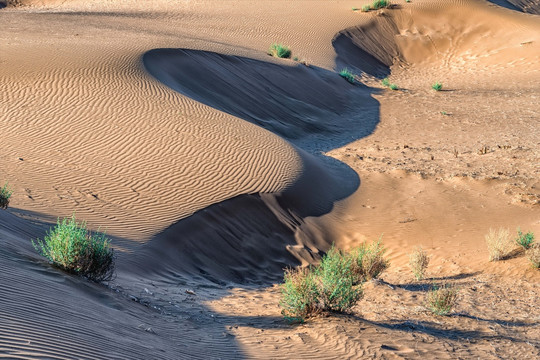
{"x": 379, "y": 4}
{"x": 330, "y": 286}
{"x": 366, "y": 8}
{"x": 499, "y": 244}
{"x": 338, "y": 291}
{"x": 389, "y": 85}
{"x": 525, "y": 240}
{"x": 5, "y": 194}
{"x": 533, "y": 253}
{"x": 368, "y": 261}
{"x": 437, "y": 86}
{"x": 441, "y": 300}
{"x": 418, "y": 261}
{"x": 280, "y": 51}
{"x": 70, "y": 247}
{"x": 299, "y": 295}
{"x": 347, "y": 75}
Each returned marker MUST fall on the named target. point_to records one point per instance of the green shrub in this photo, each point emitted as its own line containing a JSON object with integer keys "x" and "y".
{"x": 330, "y": 286}
{"x": 437, "y": 86}
{"x": 533, "y": 253}
{"x": 418, "y": 261}
{"x": 366, "y": 8}
{"x": 5, "y": 194}
{"x": 499, "y": 244}
{"x": 368, "y": 261}
{"x": 299, "y": 295}
{"x": 525, "y": 240}
{"x": 379, "y": 4}
{"x": 338, "y": 290}
{"x": 347, "y": 75}
{"x": 280, "y": 51}
{"x": 386, "y": 82}
{"x": 441, "y": 300}
{"x": 72, "y": 248}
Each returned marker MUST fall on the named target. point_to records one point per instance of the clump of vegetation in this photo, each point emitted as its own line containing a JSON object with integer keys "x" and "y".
{"x": 499, "y": 244}
{"x": 280, "y": 51}
{"x": 338, "y": 287}
{"x": 5, "y": 195}
{"x": 441, "y": 300}
{"x": 299, "y": 295}
{"x": 375, "y": 5}
{"x": 379, "y": 4}
{"x": 72, "y": 248}
{"x": 368, "y": 261}
{"x": 419, "y": 261}
{"x": 437, "y": 86}
{"x": 533, "y": 253}
{"x": 525, "y": 240}
{"x": 347, "y": 75}
{"x": 333, "y": 285}
{"x": 389, "y": 85}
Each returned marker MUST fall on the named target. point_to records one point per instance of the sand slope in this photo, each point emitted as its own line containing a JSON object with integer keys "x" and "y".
{"x": 213, "y": 165}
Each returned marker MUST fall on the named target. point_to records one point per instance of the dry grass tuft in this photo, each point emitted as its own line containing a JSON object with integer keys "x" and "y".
{"x": 441, "y": 300}
{"x": 533, "y": 253}
{"x": 499, "y": 244}
{"x": 419, "y": 261}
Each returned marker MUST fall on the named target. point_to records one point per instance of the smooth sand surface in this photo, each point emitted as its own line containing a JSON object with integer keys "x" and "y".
{"x": 213, "y": 166}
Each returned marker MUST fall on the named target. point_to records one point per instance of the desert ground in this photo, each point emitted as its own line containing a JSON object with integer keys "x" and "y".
{"x": 212, "y": 166}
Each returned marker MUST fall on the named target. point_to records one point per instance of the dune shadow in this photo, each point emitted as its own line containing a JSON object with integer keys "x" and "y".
{"x": 505, "y": 4}
{"x": 525, "y": 6}
{"x": 251, "y": 238}
{"x": 312, "y": 107}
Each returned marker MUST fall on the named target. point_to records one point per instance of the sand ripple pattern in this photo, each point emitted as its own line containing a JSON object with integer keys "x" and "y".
{"x": 97, "y": 134}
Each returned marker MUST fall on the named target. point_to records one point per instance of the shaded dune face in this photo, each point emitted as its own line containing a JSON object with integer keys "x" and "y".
{"x": 527, "y": 6}
{"x": 289, "y": 99}
{"x": 245, "y": 239}
{"x": 251, "y": 238}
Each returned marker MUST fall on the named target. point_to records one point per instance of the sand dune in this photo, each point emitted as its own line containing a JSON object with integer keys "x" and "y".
{"x": 213, "y": 166}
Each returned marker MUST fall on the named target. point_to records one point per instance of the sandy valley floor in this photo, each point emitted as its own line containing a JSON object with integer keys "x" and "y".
{"x": 213, "y": 166}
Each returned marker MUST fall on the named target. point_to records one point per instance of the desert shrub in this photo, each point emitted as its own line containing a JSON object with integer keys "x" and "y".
{"x": 368, "y": 261}
{"x": 418, "y": 261}
{"x": 525, "y": 240}
{"x": 386, "y": 82}
{"x": 280, "y": 51}
{"x": 437, "y": 86}
{"x": 499, "y": 244}
{"x": 441, "y": 300}
{"x": 299, "y": 295}
{"x": 366, "y": 8}
{"x": 338, "y": 288}
{"x": 72, "y": 248}
{"x": 347, "y": 75}
{"x": 379, "y": 4}
{"x": 5, "y": 194}
{"x": 533, "y": 253}
{"x": 329, "y": 286}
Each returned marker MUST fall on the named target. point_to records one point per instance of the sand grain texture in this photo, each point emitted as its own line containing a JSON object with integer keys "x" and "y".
{"x": 213, "y": 166}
